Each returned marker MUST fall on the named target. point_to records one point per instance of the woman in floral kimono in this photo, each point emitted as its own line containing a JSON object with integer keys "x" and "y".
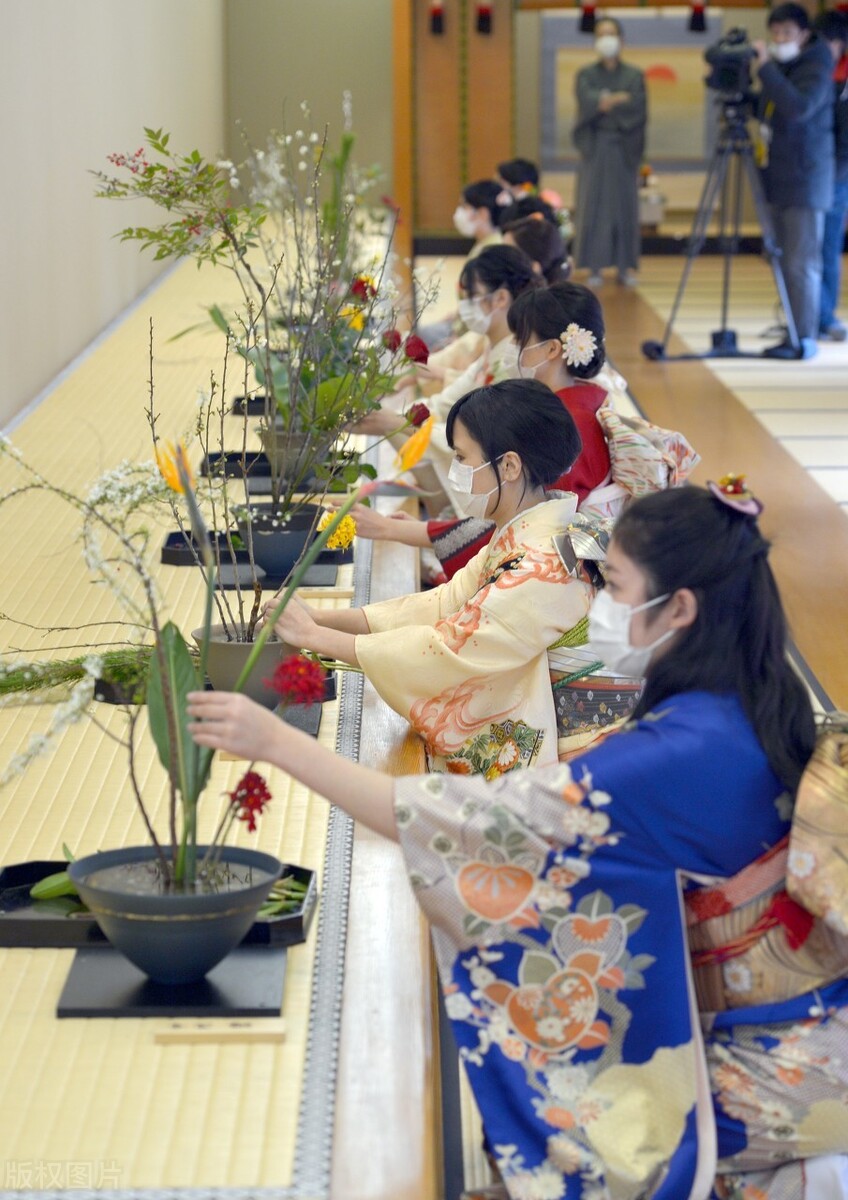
{"x": 466, "y": 663}
{"x": 560, "y": 898}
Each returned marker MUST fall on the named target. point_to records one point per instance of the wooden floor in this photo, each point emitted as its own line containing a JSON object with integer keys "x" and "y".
{"x": 706, "y": 400}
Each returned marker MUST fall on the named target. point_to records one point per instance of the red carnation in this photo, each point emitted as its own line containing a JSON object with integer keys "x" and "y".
{"x": 392, "y": 340}
{"x": 298, "y": 680}
{"x": 250, "y": 797}
{"x": 418, "y": 414}
{"x": 363, "y": 288}
{"x": 416, "y": 349}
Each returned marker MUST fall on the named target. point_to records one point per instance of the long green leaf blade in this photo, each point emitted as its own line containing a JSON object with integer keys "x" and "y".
{"x": 167, "y": 712}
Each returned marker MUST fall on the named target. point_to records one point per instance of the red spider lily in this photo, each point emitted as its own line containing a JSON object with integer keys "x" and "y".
{"x": 298, "y": 680}
{"x": 392, "y": 339}
{"x": 250, "y": 797}
{"x": 416, "y": 349}
{"x": 418, "y": 414}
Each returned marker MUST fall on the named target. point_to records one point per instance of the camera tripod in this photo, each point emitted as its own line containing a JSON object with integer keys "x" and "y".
{"x": 733, "y": 147}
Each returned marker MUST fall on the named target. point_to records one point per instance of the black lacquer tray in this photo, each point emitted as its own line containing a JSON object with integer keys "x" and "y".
{"x": 247, "y": 983}
{"x": 253, "y": 406}
{"x": 176, "y": 552}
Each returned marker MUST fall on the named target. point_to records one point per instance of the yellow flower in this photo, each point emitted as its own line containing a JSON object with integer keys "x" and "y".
{"x": 342, "y": 535}
{"x": 415, "y": 447}
{"x": 354, "y": 316}
{"x": 174, "y": 467}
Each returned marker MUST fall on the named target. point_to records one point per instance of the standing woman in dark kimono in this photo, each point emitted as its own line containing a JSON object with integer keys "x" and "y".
{"x": 610, "y": 136}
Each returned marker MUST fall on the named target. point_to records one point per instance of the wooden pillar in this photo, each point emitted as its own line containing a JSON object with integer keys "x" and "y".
{"x": 453, "y": 104}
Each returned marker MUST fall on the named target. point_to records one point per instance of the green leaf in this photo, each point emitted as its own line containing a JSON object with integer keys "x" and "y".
{"x": 596, "y": 904}
{"x": 52, "y": 886}
{"x": 184, "y": 761}
{"x": 640, "y": 962}
{"x": 536, "y": 968}
{"x": 473, "y": 926}
{"x": 632, "y": 916}
{"x": 220, "y": 320}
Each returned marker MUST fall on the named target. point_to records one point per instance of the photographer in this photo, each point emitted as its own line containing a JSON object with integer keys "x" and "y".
{"x": 795, "y": 110}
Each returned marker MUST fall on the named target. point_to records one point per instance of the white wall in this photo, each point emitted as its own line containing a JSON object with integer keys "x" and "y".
{"x": 79, "y": 79}
{"x": 282, "y": 52}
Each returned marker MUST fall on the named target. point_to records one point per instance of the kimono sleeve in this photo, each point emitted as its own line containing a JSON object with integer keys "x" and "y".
{"x": 498, "y": 635}
{"x": 426, "y": 608}
{"x": 449, "y": 828}
{"x": 442, "y": 402}
{"x": 633, "y": 114}
{"x": 452, "y": 361}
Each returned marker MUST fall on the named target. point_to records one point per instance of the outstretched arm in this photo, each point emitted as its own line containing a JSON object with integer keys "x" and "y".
{"x": 225, "y": 721}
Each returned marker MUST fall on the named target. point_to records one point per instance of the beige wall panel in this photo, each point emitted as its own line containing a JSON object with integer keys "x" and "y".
{"x": 78, "y": 81}
{"x": 490, "y": 111}
{"x": 283, "y": 52}
{"x": 527, "y": 32}
{"x": 438, "y": 167}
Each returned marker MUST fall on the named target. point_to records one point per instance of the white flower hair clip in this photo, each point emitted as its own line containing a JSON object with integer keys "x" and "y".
{"x": 578, "y": 345}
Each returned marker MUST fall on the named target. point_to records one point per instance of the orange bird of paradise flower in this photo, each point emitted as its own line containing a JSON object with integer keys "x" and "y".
{"x": 415, "y": 446}
{"x": 174, "y": 467}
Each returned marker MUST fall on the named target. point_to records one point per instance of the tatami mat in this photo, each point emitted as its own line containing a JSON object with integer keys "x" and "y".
{"x": 99, "y": 1098}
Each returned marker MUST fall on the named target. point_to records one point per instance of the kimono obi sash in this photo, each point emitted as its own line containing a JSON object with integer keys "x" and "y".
{"x": 589, "y": 701}
{"x": 751, "y": 944}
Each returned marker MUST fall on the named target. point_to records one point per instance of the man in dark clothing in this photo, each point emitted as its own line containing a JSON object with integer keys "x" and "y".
{"x": 833, "y": 27}
{"x": 796, "y": 122}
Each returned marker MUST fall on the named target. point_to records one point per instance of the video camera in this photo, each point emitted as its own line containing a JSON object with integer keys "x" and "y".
{"x": 730, "y": 62}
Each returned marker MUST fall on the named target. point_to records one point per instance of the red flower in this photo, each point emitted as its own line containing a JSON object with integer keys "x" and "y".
{"x": 298, "y": 680}
{"x": 250, "y": 797}
{"x": 416, "y": 349}
{"x": 390, "y": 203}
{"x": 418, "y": 414}
{"x": 363, "y": 288}
{"x": 392, "y": 340}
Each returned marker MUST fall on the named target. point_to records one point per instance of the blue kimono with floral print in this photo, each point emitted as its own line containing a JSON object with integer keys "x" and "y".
{"x": 555, "y": 897}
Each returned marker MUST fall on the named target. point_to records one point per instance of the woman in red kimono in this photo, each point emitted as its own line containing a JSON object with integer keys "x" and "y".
{"x": 560, "y": 336}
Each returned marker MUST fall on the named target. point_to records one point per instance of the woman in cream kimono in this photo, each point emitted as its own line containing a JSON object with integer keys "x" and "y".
{"x": 466, "y": 663}
{"x": 572, "y": 906}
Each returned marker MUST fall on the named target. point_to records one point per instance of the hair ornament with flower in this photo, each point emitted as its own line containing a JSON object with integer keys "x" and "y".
{"x": 579, "y": 345}
{"x": 732, "y": 491}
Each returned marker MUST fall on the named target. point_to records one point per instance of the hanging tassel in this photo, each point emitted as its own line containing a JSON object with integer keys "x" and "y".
{"x": 697, "y": 18}
{"x": 587, "y": 18}
{"x": 484, "y": 18}
{"x": 437, "y": 17}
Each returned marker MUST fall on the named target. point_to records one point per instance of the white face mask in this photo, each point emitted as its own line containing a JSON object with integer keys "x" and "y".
{"x": 528, "y": 372}
{"x": 609, "y": 635}
{"x": 464, "y": 222}
{"x": 784, "y": 52}
{"x": 607, "y": 46}
{"x": 461, "y": 476}
{"x": 472, "y": 316}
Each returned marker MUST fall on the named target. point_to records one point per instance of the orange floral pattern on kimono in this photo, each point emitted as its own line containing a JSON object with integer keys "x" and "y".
{"x": 466, "y": 664}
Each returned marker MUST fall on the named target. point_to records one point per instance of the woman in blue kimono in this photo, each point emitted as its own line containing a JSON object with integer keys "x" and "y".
{"x": 640, "y": 1008}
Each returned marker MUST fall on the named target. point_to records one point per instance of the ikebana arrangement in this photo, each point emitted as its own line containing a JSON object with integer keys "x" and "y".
{"x": 318, "y": 347}
{"x": 173, "y": 874}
